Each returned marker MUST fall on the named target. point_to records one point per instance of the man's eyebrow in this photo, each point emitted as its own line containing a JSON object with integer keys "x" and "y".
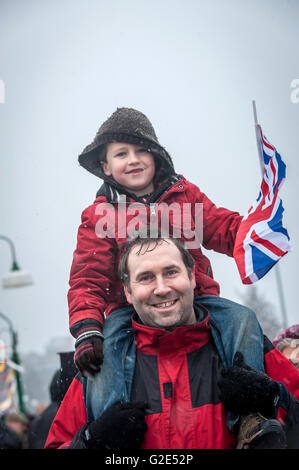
{"x": 165, "y": 268}
{"x": 171, "y": 267}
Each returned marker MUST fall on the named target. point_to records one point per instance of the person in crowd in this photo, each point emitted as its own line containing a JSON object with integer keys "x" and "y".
{"x": 14, "y": 428}
{"x": 175, "y": 389}
{"x": 59, "y": 385}
{"x": 287, "y": 341}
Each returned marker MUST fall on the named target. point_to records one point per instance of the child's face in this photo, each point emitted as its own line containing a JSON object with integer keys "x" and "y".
{"x": 131, "y": 166}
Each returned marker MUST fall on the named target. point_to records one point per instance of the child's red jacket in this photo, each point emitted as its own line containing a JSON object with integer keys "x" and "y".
{"x": 95, "y": 287}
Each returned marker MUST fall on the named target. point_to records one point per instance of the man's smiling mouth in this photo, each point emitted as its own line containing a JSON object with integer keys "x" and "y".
{"x": 165, "y": 304}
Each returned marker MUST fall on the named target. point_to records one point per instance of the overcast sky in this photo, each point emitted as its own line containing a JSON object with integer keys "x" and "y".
{"x": 193, "y": 67}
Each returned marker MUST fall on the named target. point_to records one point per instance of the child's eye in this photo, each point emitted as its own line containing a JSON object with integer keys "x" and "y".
{"x": 120, "y": 154}
{"x": 142, "y": 150}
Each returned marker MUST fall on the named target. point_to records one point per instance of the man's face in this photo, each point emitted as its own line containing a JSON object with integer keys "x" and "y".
{"x": 160, "y": 289}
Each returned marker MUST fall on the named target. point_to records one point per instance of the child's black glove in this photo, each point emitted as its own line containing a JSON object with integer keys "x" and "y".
{"x": 244, "y": 390}
{"x": 121, "y": 426}
{"x": 88, "y": 355}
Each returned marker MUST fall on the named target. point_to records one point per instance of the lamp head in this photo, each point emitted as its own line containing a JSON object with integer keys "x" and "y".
{"x": 16, "y": 278}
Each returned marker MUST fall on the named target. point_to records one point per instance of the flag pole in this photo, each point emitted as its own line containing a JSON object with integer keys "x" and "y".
{"x": 259, "y": 148}
{"x": 277, "y": 270}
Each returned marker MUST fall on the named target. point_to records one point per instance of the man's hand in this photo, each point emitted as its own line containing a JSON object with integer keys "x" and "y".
{"x": 244, "y": 390}
{"x": 89, "y": 355}
{"x": 121, "y": 426}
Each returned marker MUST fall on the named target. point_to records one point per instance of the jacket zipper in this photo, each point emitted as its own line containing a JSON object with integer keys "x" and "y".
{"x": 152, "y": 205}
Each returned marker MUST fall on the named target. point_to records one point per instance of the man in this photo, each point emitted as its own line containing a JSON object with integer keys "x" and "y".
{"x": 175, "y": 401}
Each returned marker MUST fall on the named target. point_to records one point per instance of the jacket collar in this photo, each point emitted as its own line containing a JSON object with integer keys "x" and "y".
{"x": 115, "y": 193}
{"x": 150, "y": 340}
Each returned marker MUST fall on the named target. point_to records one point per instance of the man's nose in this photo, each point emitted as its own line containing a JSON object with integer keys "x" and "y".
{"x": 161, "y": 287}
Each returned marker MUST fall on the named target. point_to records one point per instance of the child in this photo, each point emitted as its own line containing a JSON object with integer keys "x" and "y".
{"x": 126, "y": 154}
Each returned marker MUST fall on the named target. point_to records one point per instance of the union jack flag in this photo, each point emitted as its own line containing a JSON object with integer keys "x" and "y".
{"x": 261, "y": 240}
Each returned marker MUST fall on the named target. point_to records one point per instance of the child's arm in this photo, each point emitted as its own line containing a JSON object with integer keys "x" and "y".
{"x": 92, "y": 274}
{"x": 220, "y": 225}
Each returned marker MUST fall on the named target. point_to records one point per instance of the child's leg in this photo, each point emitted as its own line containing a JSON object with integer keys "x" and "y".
{"x": 112, "y": 383}
{"x": 236, "y": 328}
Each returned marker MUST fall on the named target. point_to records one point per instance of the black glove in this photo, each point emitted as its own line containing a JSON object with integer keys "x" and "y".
{"x": 244, "y": 390}
{"x": 121, "y": 426}
{"x": 88, "y": 355}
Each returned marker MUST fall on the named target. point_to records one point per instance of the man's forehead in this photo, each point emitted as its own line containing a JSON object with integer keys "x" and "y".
{"x": 163, "y": 253}
{"x": 162, "y": 245}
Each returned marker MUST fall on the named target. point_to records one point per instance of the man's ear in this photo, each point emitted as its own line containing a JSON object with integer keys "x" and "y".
{"x": 105, "y": 167}
{"x": 128, "y": 295}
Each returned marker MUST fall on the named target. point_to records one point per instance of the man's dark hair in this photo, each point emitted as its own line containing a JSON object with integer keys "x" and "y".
{"x": 147, "y": 244}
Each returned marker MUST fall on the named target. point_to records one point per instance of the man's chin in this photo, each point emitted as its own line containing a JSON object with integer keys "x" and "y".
{"x": 168, "y": 322}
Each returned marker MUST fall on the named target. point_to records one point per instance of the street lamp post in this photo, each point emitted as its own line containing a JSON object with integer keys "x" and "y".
{"x": 15, "y": 278}
{"x": 15, "y": 359}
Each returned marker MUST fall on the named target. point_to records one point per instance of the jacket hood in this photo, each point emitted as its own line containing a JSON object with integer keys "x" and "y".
{"x": 55, "y": 387}
{"x": 130, "y": 126}
{"x": 68, "y": 370}
{"x": 63, "y": 376}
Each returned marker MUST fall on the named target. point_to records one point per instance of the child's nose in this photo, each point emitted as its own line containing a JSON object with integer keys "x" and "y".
{"x": 133, "y": 157}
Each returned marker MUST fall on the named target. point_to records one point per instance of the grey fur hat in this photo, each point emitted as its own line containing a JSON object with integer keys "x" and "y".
{"x": 292, "y": 332}
{"x": 124, "y": 125}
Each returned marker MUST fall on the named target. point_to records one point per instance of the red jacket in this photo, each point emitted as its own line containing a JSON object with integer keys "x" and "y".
{"x": 176, "y": 373}
{"x": 95, "y": 288}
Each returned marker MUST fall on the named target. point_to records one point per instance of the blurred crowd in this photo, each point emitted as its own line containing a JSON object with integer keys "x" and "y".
{"x": 27, "y": 431}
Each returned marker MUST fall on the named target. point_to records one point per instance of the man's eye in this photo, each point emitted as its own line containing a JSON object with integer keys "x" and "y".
{"x": 145, "y": 278}
{"x": 172, "y": 272}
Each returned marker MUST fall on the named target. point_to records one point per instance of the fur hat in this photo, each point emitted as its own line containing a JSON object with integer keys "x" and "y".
{"x": 124, "y": 125}
{"x": 292, "y": 332}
